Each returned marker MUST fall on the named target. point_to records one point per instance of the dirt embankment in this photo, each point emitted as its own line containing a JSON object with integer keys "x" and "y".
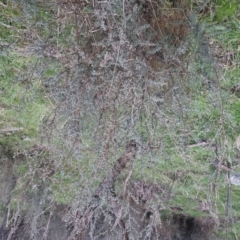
{"x": 129, "y": 215}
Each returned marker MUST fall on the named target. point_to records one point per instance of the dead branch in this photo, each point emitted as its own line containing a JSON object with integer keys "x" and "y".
{"x": 8, "y": 131}
{"x": 3, "y": 5}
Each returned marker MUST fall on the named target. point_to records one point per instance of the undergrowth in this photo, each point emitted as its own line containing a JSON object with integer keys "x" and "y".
{"x": 87, "y": 79}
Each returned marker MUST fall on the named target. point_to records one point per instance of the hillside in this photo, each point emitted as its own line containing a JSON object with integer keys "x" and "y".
{"x": 119, "y": 119}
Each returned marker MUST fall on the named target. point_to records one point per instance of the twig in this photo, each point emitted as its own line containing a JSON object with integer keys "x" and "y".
{"x": 119, "y": 212}
{"x": 3, "y": 5}
{"x": 8, "y": 131}
{"x": 5, "y": 25}
{"x": 201, "y": 144}
{"x": 16, "y": 222}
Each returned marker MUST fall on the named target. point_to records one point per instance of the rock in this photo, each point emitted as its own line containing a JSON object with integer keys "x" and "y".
{"x": 235, "y": 179}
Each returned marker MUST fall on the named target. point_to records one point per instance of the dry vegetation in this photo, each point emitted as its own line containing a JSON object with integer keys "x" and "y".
{"x": 118, "y": 119}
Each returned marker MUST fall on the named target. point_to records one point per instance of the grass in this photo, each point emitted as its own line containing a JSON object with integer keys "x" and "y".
{"x": 24, "y": 103}
{"x": 10, "y": 28}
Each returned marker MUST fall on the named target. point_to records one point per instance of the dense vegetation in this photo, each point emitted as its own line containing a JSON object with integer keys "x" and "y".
{"x": 119, "y": 119}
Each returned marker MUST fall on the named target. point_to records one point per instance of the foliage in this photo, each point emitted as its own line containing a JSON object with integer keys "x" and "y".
{"x": 224, "y": 9}
{"x": 83, "y": 80}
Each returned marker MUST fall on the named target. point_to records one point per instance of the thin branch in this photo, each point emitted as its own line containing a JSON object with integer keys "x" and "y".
{"x": 3, "y": 5}
{"x": 8, "y": 131}
{"x": 5, "y": 25}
